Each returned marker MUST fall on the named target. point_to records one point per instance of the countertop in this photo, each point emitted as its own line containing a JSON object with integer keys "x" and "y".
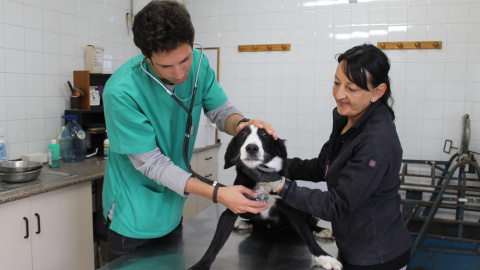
{"x": 67, "y": 174}
{"x": 50, "y": 179}
{"x": 242, "y": 251}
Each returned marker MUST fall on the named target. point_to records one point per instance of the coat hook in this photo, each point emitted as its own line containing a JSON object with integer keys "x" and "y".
{"x": 417, "y": 44}
{"x": 435, "y": 44}
{"x": 399, "y": 44}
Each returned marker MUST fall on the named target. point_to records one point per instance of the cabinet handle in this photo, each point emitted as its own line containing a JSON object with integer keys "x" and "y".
{"x": 208, "y": 158}
{"x": 38, "y": 223}
{"x": 26, "y": 227}
{"x": 208, "y": 175}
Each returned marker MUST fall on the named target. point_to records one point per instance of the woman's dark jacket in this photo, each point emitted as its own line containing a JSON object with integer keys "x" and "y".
{"x": 361, "y": 168}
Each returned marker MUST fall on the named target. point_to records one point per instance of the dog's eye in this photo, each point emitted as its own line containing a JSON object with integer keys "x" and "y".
{"x": 242, "y": 134}
{"x": 263, "y": 133}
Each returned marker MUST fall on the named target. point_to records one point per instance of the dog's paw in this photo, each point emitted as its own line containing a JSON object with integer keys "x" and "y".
{"x": 242, "y": 225}
{"x": 324, "y": 234}
{"x": 328, "y": 262}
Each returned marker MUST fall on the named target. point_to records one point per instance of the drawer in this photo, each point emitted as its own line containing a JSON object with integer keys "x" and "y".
{"x": 210, "y": 172}
{"x": 194, "y": 162}
{"x": 207, "y": 158}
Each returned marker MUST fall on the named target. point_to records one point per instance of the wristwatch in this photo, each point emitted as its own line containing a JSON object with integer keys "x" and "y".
{"x": 243, "y": 120}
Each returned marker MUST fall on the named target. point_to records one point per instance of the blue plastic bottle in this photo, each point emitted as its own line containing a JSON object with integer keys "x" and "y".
{"x": 73, "y": 141}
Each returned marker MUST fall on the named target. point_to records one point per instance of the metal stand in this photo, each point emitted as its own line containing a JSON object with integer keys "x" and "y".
{"x": 450, "y": 188}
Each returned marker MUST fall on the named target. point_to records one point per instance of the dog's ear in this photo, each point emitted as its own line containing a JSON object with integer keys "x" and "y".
{"x": 231, "y": 153}
{"x": 280, "y": 148}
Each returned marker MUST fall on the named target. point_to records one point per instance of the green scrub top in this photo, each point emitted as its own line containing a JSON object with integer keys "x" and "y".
{"x": 140, "y": 115}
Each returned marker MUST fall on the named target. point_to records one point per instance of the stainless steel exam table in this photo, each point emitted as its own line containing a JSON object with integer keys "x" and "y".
{"x": 242, "y": 251}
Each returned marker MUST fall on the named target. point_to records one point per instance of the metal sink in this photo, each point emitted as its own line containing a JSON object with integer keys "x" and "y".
{"x": 46, "y": 176}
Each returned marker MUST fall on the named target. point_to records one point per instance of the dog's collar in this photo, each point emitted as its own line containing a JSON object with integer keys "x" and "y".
{"x": 266, "y": 169}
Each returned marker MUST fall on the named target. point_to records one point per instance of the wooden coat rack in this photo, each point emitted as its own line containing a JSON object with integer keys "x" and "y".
{"x": 409, "y": 45}
{"x": 264, "y": 47}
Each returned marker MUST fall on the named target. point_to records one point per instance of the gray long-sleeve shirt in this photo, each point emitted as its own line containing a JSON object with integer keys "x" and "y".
{"x": 162, "y": 170}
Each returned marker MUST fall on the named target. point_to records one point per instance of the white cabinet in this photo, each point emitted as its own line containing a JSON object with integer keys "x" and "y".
{"x": 49, "y": 231}
{"x": 205, "y": 164}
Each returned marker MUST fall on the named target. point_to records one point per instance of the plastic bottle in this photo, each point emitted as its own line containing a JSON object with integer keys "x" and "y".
{"x": 53, "y": 154}
{"x": 73, "y": 141}
{"x": 106, "y": 144}
{"x": 58, "y": 139}
{"x": 3, "y": 146}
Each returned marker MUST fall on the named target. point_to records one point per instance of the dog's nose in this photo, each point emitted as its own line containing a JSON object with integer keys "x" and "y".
{"x": 251, "y": 149}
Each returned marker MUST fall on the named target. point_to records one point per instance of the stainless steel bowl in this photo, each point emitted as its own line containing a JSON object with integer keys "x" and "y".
{"x": 19, "y": 166}
{"x": 19, "y": 177}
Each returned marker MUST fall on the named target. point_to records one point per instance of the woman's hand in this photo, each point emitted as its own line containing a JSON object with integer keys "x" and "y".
{"x": 260, "y": 124}
{"x": 232, "y": 197}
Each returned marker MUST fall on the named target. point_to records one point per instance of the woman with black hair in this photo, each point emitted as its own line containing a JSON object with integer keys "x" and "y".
{"x": 360, "y": 164}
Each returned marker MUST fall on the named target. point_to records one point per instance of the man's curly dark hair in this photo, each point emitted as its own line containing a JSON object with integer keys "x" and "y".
{"x": 162, "y": 26}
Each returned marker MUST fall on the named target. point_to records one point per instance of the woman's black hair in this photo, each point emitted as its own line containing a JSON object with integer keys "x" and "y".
{"x": 162, "y": 26}
{"x": 369, "y": 58}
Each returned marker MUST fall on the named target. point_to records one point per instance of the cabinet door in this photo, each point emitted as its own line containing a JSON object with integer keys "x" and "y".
{"x": 210, "y": 172}
{"x": 62, "y": 230}
{"x": 15, "y": 247}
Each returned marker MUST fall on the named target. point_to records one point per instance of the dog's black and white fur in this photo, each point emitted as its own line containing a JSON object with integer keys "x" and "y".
{"x": 250, "y": 148}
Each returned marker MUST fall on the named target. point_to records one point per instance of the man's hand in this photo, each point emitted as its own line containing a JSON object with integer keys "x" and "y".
{"x": 260, "y": 124}
{"x": 234, "y": 199}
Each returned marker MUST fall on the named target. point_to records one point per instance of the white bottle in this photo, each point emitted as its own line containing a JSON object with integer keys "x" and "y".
{"x": 106, "y": 144}
{"x": 3, "y": 146}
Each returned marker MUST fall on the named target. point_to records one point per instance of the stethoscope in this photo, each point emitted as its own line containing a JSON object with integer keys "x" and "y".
{"x": 189, "y": 128}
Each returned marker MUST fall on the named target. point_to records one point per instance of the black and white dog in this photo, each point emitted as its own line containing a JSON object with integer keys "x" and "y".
{"x": 251, "y": 148}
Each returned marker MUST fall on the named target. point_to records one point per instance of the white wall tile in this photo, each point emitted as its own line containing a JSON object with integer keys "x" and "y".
{"x": 51, "y": 21}
{"x": 453, "y": 110}
{"x": 324, "y": 18}
{"x": 34, "y": 85}
{"x": 33, "y": 17}
{"x": 473, "y": 69}
{"x": 455, "y": 72}
{"x": 35, "y": 129}
{"x": 35, "y": 109}
{"x": 14, "y": 37}
{"x": 15, "y": 85}
{"x": 343, "y": 17}
{"x": 438, "y": 14}
{"x": 66, "y": 6}
{"x": 457, "y": 13}
{"x": 14, "y": 14}
{"x": 417, "y": 14}
{"x": 16, "y": 133}
{"x": 474, "y": 11}
{"x": 14, "y": 61}
{"x": 274, "y": 6}
{"x": 16, "y": 108}
{"x": 457, "y": 33}
{"x": 33, "y": 40}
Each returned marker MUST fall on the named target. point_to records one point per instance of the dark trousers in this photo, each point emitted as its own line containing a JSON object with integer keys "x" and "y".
{"x": 119, "y": 245}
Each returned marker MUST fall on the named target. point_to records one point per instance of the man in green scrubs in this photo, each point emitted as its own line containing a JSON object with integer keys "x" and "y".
{"x": 146, "y": 181}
